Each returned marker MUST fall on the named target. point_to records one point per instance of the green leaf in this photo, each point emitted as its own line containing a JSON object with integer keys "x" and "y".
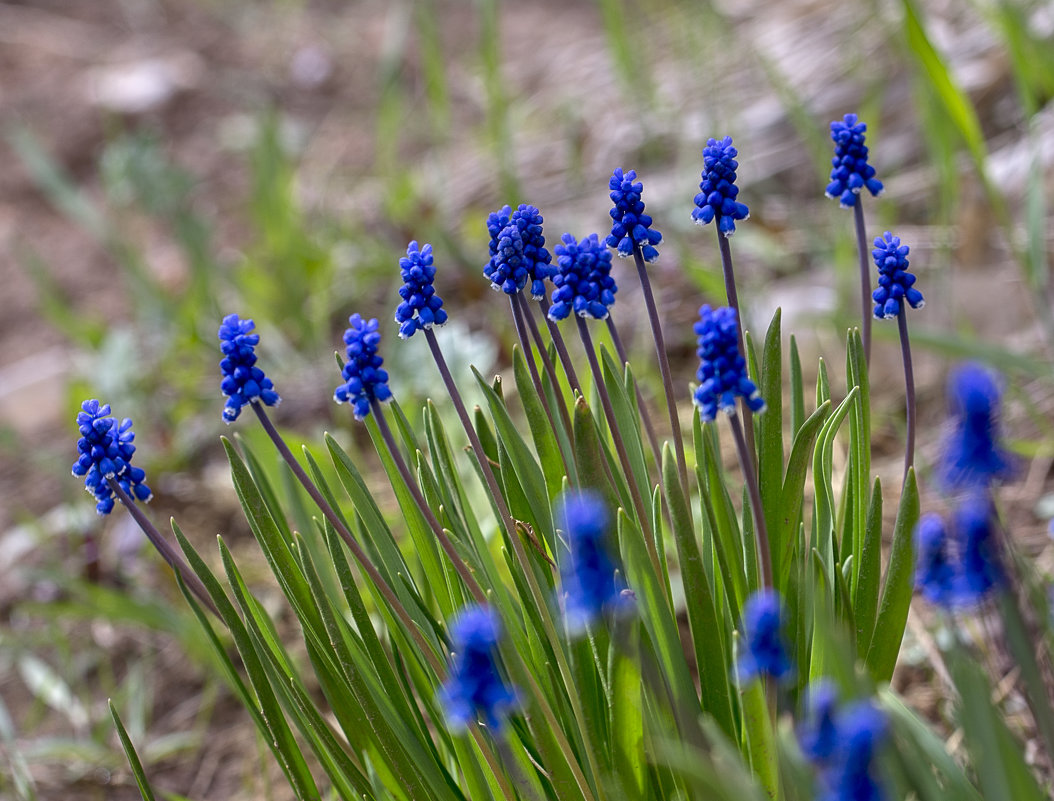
{"x": 706, "y": 625}
{"x": 131, "y": 755}
{"x": 793, "y": 492}
{"x": 899, "y": 582}
{"x": 797, "y": 397}
{"x": 770, "y": 440}
{"x": 538, "y": 421}
{"x": 627, "y": 715}
{"x": 868, "y": 584}
{"x": 759, "y": 736}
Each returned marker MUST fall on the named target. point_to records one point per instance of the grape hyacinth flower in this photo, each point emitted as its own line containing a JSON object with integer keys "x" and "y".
{"x": 819, "y": 736}
{"x": 895, "y": 283}
{"x": 981, "y": 569}
{"x": 106, "y": 449}
{"x": 846, "y": 759}
{"x": 722, "y": 373}
{"x": 589, "y": 575}
{"x": 583, "y": 280}
{"x": 718, "y": 190}
{"x": 421, "y": 307}
{"x": 243, "y": 382}
{"x": 765, "y": 652}
{"x": 517, "y": 251}
{"x": 475, "y": 689}
{"x": 630, "y": 227}
{"x": 850, "y": 172}
{"x": 972, "y": 456}
{"x": 364, "y": 379}
{"x": 936, "y": 573}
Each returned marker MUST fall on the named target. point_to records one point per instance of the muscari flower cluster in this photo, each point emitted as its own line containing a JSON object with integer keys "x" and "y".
{"x": 718, "y": 190}
{"x": 517, "y": 251}
{"x": 850, "y": 172}
{"x": 842, "y": 742}
{"x": 722, "y": 373}
{"x": 630, "y": 227}
{"x": 364, "y": 379}
{"x": 895, "y": 283}
{"x": 421, "y": 307}
{"x": 476, "y": 690}
{"x": 106, "y": 449}
{"x": 764, "y": 652}
{"x": 588, "y": 576}
{"x": 583, "y": 280}
{"x": 958, "y": 560}
{"x": 243, "y": 382}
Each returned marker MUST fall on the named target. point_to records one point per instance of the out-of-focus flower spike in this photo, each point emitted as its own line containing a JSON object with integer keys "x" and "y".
{"x": 765, "y": 651}
{"x": 475, "y": 689}
{"x": 972, "y": 456}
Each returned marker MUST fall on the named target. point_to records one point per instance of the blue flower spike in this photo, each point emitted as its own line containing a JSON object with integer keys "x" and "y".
{"x": 850, "y": 172}
{"x": 243, "y": 382}
{"x": 972, "y": 456}
{"x": 364, "y": 378}
{"x": 718, "y": 193}
{"x": 722, "y": 373}
{"x": 421, "y": 307}
{"x": 630, "y": 227}
{"x": 981, "y": 567}
{"x": 765, "y": 651}
{"x": 583, "y": 280}
{"x": 896, "y": 285}
{"x": 819, "y": 736}
{"x": 842, "y": 741}
{"x": 936, "y": 573}
{"x": 588, "y": 576}
{"x": 105, "y": 448}
{"x": 517, "y": 251}
{"x": 475, "y": 690}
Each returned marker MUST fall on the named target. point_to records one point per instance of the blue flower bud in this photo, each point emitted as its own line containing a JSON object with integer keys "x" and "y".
{"x": 583, "y": 280}
{"x": 475, "y": 689}
{"x": 630, "y": 226}
{"x": 421, "y": 307}
{"x": 722, "y": 373}
{"x": 718, "y": 190}
{"x": 895, "y": 284}
{"x": 850, "y": 172}
{"x": 243, "y": 382}
{"x": 364, "y": 379}
{"x": 105, "y": 448}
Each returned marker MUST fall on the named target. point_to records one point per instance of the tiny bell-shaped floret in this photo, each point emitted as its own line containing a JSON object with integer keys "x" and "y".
{"x": 722, "y": 373}
{"x": 630, "y": 226}
{"x": 850, "y": 172}
{"x": 583, "y": 280}
{"x": 421, "y": 307}
{"x": 896, "y": 285}
{"x": 364, "y": 378}
{"x": 718, "y": 190}
{"x": 243, "y": 382}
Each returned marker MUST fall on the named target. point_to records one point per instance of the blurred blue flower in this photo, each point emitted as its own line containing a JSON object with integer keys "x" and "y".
{"x": 850, "y": 775}
{"x": 588, "y": 576}
{"x": 517, "y": 251}
{"x": 818, "y": 735}
{"x": 475, "y": 688}
{"x": 765, "y": 652}
{"x": 421, "y": 307}
{"x": 722, "y": 373}
{"x": 850, "y": 172}
{"x": 981, "y": 569}
{"x": 972, "y": 456}
{"x": 718, "y": 190}
{"x": 895, "y": 283}
{"x": 630, "y": 226}
{"x": 364, "y": 379}
{"x": 243, "y": 382}
{"x": 583, "y": 280}
{"x": 936, "y": 573}
{"x": 106, "y": 449}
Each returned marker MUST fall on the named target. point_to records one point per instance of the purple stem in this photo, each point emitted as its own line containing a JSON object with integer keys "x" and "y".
{"x": 561, "y": 348}
{"x": 733, "y": 301}
{"x": 528, "y": 356}
{"x": 644, "y": 416}
{"x": 761, "y": 534}
{"x": 664, "y": 365}
{"x": 909, "y": 389}
{"x": 168, "y": 553}
{"x": 547, "y": 363}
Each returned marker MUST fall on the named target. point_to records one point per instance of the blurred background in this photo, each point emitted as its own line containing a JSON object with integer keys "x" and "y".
{"x": 166, "y": 162}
